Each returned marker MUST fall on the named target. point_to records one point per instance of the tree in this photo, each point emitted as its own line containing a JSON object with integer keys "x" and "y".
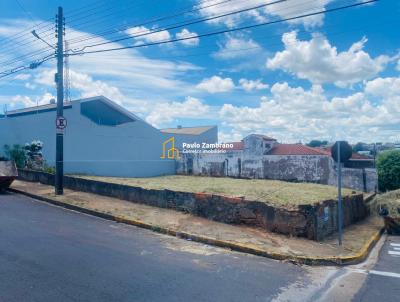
{"x": 388, "y": 164}
{"x": 359, "y": 147}
{"x": 17, "y": 154}
{"x": 317, "y": 143}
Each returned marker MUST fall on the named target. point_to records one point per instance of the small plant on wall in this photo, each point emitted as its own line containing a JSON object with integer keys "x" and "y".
{"x": 34, "y": 155}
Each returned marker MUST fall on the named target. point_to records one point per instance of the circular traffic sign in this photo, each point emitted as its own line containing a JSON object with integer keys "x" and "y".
{"x": 345, "y": 151}
{"x": 61, "y": 123}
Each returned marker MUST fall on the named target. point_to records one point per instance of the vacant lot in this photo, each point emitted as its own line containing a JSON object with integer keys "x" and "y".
{"x": 271, "y": 191}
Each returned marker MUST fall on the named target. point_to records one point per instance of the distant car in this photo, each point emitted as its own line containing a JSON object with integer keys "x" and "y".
{"x": 8, "y": 173}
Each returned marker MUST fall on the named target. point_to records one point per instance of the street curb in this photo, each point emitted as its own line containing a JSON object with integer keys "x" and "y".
{"x": 357, "y": 257}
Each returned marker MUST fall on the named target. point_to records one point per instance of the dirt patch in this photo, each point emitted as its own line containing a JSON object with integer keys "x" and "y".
{"x": 355, "y": 236}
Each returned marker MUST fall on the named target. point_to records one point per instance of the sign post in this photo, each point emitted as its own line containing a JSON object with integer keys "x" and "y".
{"x": 59, "y": 186}
{"x": 340, "y": 206}
{"x": 341, "y": 152}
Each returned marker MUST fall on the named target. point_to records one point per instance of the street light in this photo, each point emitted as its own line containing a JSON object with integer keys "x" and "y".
{"x": 35, "y": 34}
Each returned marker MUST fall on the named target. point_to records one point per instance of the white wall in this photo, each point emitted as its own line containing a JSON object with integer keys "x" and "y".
{"x": 131, "y": 149}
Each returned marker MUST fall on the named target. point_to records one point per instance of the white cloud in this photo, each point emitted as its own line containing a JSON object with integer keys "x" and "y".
{"x": 26, "y": 101}
{"x": 168, "y": 111}
{"x": 282, "y": 10}
{"x": 216, "y": 84}
{"x": 384, "y": 87}
{"x": 142, "y": 33}
{"x": 293, "y": 113}
{"x": 250, "y": 85}
{"x": 22, "y": 76}
{"x": 30, "y": 85}
{"x": 187, "y": 34}
{"x": 294, "y": 8}
{"x": 320, "y": 62}
{"x": 236, "y": 47}
{"x": 84, "y": 84}
{"x": 89, "y": 87}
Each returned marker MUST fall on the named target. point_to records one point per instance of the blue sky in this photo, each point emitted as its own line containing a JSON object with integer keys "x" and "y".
{"x": 333, "y": 76}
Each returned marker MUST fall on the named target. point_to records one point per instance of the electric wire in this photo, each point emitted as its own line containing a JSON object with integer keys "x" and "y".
{"x": 228, "y": 30}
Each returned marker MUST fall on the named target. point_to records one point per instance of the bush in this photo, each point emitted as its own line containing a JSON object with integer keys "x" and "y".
{"x": 49, "y": 169}
{"x": 2, "y": 158}
{"x": 388, "y": 165}
{"x": 34, "y": 155}
{"x": 17, "y": 154}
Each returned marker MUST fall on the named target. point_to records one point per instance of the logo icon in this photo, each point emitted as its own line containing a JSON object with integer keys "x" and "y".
{"x": 171, "y": 152}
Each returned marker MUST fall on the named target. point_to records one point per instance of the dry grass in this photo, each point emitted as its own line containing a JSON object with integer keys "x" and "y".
{"x": 390, "y": 201}
{"x": 271, "y": 191}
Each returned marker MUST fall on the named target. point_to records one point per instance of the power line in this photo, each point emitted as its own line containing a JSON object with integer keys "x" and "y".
{"x": 143, "y": 33}
{"x": 109, "y": 12}
{"x": 38, "y": 62}
{"x": 195, "y": 21}
{"x": 228, "y": 30}
{"x": 147, "y": 32}
{"x": 26, "y": 12}
{"x": 16, "y": 44}
{"x": 262, "y": 43}
{"x": 186, "y": 23}
{"x": 27, "y": 31}
{"x": 155, "y": 19}
{"x": 25, "y": 67}
{"x": 25, "y": 56}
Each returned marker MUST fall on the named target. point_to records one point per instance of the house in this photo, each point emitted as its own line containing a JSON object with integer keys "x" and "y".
{"x": 260, "y": 156}
{"x": 207, "y": 134}
{"x": 101, "y": 138}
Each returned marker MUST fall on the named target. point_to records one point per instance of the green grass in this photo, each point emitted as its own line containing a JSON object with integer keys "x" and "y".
{"x": 390, "y": 201}
{"x": 270, "y": 191}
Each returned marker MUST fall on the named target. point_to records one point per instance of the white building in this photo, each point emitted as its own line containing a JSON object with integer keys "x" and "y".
{"x": 102, "y": 138}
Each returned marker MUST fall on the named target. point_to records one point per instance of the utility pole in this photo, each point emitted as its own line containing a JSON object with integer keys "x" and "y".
{"x": 340, "y": 211}
{"x": 59, "y": 186}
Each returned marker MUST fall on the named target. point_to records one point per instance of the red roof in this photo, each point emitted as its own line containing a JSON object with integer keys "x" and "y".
{"x": 295, "y": 149}
{"x": 357, "y": 156}
{"x": 354, "y": 156}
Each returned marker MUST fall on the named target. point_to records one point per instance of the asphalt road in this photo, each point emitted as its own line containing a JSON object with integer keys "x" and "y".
{"x": 380, "y": 284}
{"x": 49, "y": 253}
{"x": 52, "y": 254}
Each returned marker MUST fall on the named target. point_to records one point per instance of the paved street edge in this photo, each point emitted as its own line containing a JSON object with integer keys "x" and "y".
{"x": 355, "y": 258}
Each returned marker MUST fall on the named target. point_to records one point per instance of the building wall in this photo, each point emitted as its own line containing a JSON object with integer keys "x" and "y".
{"x": 132, "y": 149}
{"x": 299, "y": 168}
{"x": 358, "y": 179}
{"x": 210, "y": 136}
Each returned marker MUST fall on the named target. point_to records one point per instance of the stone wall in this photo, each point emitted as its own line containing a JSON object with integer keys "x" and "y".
{"x": 299, "y": 168}
{"x": 311, "y": 221}
{"x": 358, "y": 179}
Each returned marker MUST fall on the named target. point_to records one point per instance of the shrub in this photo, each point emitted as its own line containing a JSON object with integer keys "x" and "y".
{"x": 34, "y": 155}
{"x": 388, "y": 165}
{"x": 17, "y": 154}
{"x": 2, "y": 158}
{"x": 49, "y": 169}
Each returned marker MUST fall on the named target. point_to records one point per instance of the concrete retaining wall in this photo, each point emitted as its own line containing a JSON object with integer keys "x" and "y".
{"x": 311, "y": 221}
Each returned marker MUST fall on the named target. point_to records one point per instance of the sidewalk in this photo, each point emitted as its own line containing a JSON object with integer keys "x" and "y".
{"x": 357, "y": 242}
